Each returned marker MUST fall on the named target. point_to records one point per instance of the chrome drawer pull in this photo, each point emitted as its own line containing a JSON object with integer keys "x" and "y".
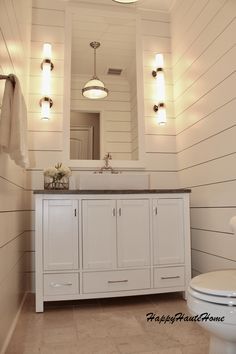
{"x": 117, "y": 281}
{"x": 176, "y": 277}
{"x": 57, "y": 285}
{"x": 113, "y": 212}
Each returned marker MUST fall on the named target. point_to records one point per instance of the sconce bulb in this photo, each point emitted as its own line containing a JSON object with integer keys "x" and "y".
{"x": 160, "y": 86}
{"x": 159, "y": 62}
{"x": 47, "y": 67}
{"x": 45, "y": 103}
{"x": 46, "y": 76}
{"x": 45, "y": 110}
{"x": 161, "y": 113}
{"x": 47, "y": 51}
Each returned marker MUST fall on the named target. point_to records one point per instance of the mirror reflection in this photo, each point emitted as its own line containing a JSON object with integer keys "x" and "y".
{"x": 84, "y": 136}
{"x": 109, "y": 124}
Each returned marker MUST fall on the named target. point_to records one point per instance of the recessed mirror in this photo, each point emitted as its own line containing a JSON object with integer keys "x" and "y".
{"x": 116, "y": 118}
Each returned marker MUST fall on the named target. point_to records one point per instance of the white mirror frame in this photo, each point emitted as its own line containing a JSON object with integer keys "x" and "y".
{"x": 94, "y": 164}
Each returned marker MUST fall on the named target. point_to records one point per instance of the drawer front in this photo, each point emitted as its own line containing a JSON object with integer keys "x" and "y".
{"x": 61, "y": 284}
{"x": 167, "y": 277}
{"x": 96, "y": 282}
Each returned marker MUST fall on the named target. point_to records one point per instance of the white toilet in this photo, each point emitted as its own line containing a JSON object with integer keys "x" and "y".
{"x": 215, "y": 293}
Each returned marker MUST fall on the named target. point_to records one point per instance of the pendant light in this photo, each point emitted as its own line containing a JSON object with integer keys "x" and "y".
{"x": 94, "y": 89}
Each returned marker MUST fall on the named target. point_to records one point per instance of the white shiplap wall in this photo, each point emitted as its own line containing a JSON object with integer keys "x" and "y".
{"x": 15, "y": 28}
{"x": 45, "y": 137}
{"x": 160, "y": 141}
{"x": 204, "y": 52}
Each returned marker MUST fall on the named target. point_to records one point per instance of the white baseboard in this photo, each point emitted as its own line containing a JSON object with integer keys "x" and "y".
{"x": 13, "y": 326}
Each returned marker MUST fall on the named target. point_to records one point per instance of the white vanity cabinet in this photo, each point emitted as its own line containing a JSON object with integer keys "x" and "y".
{"x": 169, "y": 242}
{"x": 99, "y": 234}
{"x": 60, "y": 234}
{"x": 168, "y": 231}
{"x": 133, "y": 233}
{"x": 103, "y": 245}
{"x": 111, "y": 228}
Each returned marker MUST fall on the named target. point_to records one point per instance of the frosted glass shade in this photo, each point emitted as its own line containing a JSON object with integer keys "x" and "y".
{"x": 161, "y": 115}
{"x": 159, "y": 59}
{"x": 47, "y": 51}
{"x": 160, "y": 86}
{"x": 46, "y": 68}
{"x": 45, "y": 103}
{"x": 94, "y": 89}
{"x": 45, "y": 110}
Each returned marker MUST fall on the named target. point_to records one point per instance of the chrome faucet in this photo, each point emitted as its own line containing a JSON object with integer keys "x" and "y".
{"x": 106, "y": 158}
{"x": 107, "y": 167}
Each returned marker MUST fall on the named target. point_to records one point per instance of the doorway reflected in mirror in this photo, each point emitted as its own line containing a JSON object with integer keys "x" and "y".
{"x": 84, "y": 136}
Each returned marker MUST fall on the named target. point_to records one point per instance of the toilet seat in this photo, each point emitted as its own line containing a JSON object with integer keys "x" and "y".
{"x": 220, "y": 300}
{"x": 217, "y": 287}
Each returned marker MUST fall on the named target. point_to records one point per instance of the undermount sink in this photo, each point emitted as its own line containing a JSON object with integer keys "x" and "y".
{"x": 113, "y": 181}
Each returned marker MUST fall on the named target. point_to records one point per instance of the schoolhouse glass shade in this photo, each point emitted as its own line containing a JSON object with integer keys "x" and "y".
{"x": 94, "y": 89}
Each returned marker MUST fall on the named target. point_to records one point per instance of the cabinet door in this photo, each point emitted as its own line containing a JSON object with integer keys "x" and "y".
{"x": 99, "y": 234}
{"x": 133, "y": 232}
{"x": 168, "y": 231}
{"x": 60, "y": 234}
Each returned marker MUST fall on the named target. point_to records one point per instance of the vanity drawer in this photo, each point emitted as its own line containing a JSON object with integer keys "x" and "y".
{"x": 169, "y": 276}
{"x": 97, "y": 282}
{"x": 61, "y": 284}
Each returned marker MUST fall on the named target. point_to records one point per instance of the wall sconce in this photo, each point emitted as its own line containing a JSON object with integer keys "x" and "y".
{"x": 158, "y": 74}
{"x": 46, "y": 67}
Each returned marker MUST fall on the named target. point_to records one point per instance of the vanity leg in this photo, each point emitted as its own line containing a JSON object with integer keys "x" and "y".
{"x": 39, "y": 305}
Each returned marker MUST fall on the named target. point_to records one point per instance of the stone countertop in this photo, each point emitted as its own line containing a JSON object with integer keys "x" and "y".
{"x": 112, "y": 191}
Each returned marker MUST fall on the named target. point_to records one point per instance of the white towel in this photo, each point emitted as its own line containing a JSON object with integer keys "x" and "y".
{"x": 13, "y": 124}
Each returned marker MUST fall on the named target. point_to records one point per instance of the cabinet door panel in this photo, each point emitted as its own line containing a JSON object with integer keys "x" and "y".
{"x": 133, "y": 232}
{"x": 60, "y": 234}
{"x": 168, "y": 231}
{"x": 99, "y": 234}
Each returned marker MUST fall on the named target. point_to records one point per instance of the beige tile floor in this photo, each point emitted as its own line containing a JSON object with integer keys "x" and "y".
{"x": 107, "y": 326}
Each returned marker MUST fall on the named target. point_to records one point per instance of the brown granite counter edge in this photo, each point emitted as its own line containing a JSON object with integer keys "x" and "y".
{"x": 112, "y": 191}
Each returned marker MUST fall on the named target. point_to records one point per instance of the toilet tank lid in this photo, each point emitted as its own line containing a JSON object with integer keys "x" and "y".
{"x": 221, "y": 283}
